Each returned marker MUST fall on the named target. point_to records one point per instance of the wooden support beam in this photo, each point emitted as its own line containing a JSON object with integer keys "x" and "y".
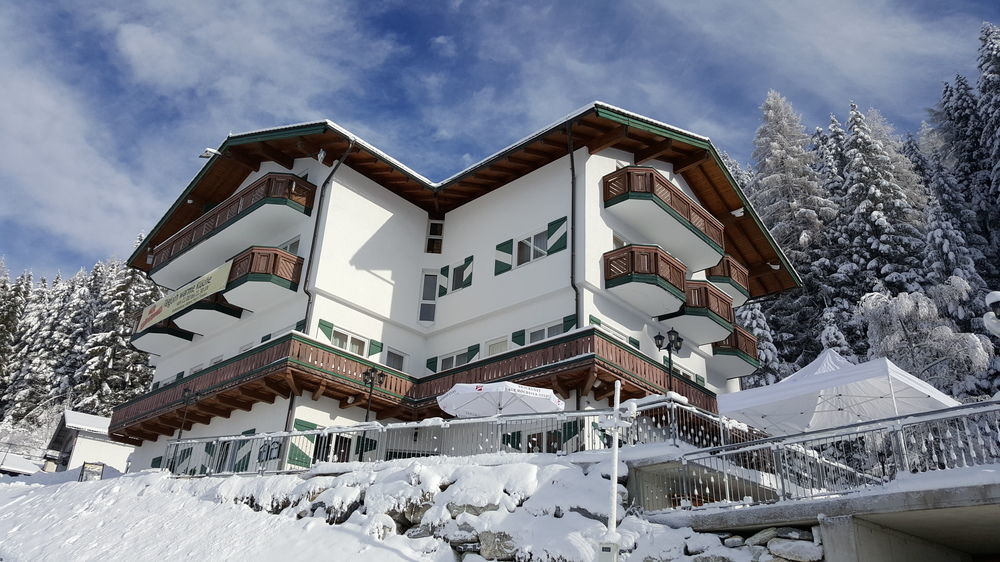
{"x": 157, "y": 427}
{"x": 277, "y": 156}
{"x": 390, "y": 413}
{"x": 277, "y": 388}
{"x": 290, "y": 379}
{"x": 243, "y": 157}
{"x": 332, "y": 153}
{"x": 536, "y": 152}
{"x": 319, "y": 390}
{"x": 142, "y": 434}
{"x": 234, "y": 403}
{"x": 123, "y": 438}
{"x": 562, "y": 392}
{"x": 215, "y": 410}
{"x": 257, "y": 395}
{"x": 762, "y": 269}
{"x": 308, "y": 147}
{"x": 608, "y": 390}
{"x": 653, "y": 150}
{"x": 191, "y": 416}
{"x": 522, "y": 161}
{"x": 685, "y": 165}
{"x": 607, "y": 139}
{"x": 553, "y": 143}
{"x": 588, "y": 384}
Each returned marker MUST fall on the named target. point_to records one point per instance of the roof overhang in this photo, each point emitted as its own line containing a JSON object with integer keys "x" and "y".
{"x": 596, "y": 126}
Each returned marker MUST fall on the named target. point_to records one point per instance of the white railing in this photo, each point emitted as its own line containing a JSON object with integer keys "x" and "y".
{"x": 825, "y": 463}
{"x": 658, "y": 420}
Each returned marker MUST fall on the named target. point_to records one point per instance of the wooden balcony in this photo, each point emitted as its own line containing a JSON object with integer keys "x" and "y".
{"x": 260, "y": 277}
{"x": 646, "y": 277}
{"x": 732, "y": 277}
{"x": 588, "y": 361}
{"x": 707, "y": 315}
{"x": 735, "y": 356}
{"x": 285, "y": 196}
{"x": 641, "y": 196}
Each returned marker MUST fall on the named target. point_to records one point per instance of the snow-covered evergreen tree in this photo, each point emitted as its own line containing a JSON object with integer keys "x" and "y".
{"x": 880, "y": 221}
{"x": 909, "y": 330}
{"x": 29, "y": 371}
{"x": 988, "y": 201}
{"x": 832, "y": 338}
{"x": 751, "y": 317}
{"x": 902, "y": 167}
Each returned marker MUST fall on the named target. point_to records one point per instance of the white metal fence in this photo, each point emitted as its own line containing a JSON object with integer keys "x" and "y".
{"x": 825, "y": 463}
{"x": 658, "y": 421}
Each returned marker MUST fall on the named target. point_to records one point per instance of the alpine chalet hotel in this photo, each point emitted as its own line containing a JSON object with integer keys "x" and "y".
{"x": 299, "y": 257}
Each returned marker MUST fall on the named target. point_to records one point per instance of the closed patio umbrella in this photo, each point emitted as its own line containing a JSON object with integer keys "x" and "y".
{"x": 489, "y": 399}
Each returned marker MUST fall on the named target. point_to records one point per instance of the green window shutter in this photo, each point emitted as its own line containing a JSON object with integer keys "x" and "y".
{"x": 374, "y": 347}
{"x": 326, "y": 328}
{"x": 633, "y": 342}
{"x": 569, "y": 322}
{"x": 300, "y": 326}
{"x": 467, "y": 273}
{"x": 699, "y": 379}
{"x": 570, "y": 430}
{"x": 471, "y": 354}
{"x": 443, "y": 281}
{"x": 504, "y": 257}
{"x": 250, "y": 431}
{"x": 364, "y": 444}
{"x": 512, "y": 439}
{"x": 432, "y": 364}
{"x": 595, "y": 321}
{"x": 157, "y": 462}
{"x": 303, "y": 425}
{"x": 557, "y": 235}
{"x": 517, "y": 337}
{"x": 296, "y": 455}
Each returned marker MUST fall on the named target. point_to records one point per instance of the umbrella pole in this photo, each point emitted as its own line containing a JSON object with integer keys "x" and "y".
{"x": 613, "y": 512}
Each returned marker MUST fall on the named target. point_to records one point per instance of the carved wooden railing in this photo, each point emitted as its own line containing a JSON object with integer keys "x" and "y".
{"x": 637, "y": 259}
{"x": 638, "y": 179}
{"x": 729, "y": 267}
{"x": 702, "y": 294}
{"x": 739, "y": 340}
{"x": 270, "y": 186}
{"x": 266, "y": 261}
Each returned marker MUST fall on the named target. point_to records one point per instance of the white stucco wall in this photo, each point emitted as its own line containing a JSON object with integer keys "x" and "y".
{"x": 90, "y": 449}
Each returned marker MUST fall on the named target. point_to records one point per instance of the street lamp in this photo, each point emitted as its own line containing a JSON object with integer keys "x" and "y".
{"x": 673, "y": 343}
{"x": 187, "y": 398}
{"x": 371, "y": 377}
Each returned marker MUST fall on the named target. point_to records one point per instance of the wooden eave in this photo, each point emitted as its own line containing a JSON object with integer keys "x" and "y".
{"x": 597, "y": 128}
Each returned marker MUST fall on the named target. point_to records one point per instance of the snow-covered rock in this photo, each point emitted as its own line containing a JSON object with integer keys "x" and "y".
{"x": 797, "y": 550}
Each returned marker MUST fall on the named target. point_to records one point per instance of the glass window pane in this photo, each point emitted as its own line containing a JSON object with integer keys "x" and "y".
{"x": 461, "y": 359}
{"x": 523, "y": 251}
{"x": 433, "y": 246}
{"x": 427, "y": 312}
{"x": 554, "y": 330}
{"x": 541, "y": 244}
{"x": 436, "y": 229}
{"x": 430, "y": 288}
{"x": 339, "y": 339}
{"x": 357, "y": 346}
{"x": 394, "y": 360}
{"x": 537, "y": 335}
{"x": 293, "y": 248}
{"x": 498, "y": 347}
{"x": 447, "y": 363}
{"x": 457, "y": 276}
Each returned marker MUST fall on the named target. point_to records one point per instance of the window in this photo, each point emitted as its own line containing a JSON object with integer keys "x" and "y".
{"x": 496, "y": 346}
{"x": 531, "y": 248}
{"x": 196, "y": 368}
{"x": 348, "y": 342}
{"x": 544, "y": 332}
{"x": 428, "y": 294}
{"x": 245, "y": 347}
{"x": 435, "y": 236}
{"x": 156, "y": 385}
{"x": 618, "y": 241}
{"x": 179, "y": 376}
{"x": 394, "y": 359}
{"x": 456, "y": 359}
{"x": 292, "y": 246}
{"x": 217, "y": 359}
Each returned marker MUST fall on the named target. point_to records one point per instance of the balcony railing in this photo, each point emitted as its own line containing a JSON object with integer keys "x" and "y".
{"x": 622, "y": 264}
{"x": 286, "y": 187}
{"x": 648, "y": 181}
{"x": 576, "y": 354}
{"x": 740, "y": 340}
{"x": 702, "y": 294}
{"x": 730, "y": 268}
{"x": 263, "y": 261}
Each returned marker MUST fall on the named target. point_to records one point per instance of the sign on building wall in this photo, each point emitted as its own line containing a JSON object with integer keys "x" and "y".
{"x": 206, "y": 285}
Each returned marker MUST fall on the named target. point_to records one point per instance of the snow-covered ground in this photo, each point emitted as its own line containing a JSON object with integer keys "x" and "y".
{"x": 542, "y": 505}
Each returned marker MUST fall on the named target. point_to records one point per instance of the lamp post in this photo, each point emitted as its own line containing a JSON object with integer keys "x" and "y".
{"x": 187, "y": 397}
{"x": 370, "y": 377}
{"x": 673, "y": 343}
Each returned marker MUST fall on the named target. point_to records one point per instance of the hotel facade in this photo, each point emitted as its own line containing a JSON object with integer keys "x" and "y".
{"x": 301, "y": 257}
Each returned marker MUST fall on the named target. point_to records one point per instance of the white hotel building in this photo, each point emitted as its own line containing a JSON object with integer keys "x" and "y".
{"x": 552, "y": 263}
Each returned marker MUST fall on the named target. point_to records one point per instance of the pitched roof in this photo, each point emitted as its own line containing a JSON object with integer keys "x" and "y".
{"x": 86, "y": 422}
{"x": 597, "y": 126}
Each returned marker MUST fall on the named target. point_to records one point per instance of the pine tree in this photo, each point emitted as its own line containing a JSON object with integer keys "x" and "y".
{"x": 880, "y": 225}
{"x": 988, "y": 112}
{"x": 902, "y": 168}
{"x": 832, "y": 338}
{"x": 947, "y": 255}
{"x": 751, "y": 317}
{"x": 30, "y": 368}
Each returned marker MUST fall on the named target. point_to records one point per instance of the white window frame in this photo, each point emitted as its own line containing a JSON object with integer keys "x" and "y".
{"x": 351, "y": 336}
{"x": 430, "y": 224}
{"x": 287, "y": 246}
{"x": 216, "y": 360}
{"x": 454, "y": 356}
{"x": 531, "y": 240}
{"x": 433, "y": 300}
{"x": 545, "y": 328}
{"x": 385, "y": 359}
{"x": 490, "y": 343}
{"x": 247, "y": 346}
{"x": 618, "y": 241}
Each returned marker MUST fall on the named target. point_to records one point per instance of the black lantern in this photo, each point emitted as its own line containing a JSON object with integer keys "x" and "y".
{"x": 673, "y": 343}
{"x": 371, "y": 377}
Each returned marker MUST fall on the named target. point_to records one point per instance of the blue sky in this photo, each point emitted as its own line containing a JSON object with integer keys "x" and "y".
{"x": 106, "y": 107}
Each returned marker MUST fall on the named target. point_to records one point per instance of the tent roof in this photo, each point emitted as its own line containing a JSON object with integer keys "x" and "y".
{"x": 820, "y": 396}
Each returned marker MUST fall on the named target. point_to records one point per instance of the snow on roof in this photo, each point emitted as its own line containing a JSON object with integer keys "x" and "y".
{"x": 827, "y": 362}
{"x": 9, "y": 462}
{"x": 86, "y": 422}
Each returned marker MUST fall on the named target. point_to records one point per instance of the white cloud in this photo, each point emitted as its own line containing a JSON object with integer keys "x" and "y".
{"x": 444, "y": 46}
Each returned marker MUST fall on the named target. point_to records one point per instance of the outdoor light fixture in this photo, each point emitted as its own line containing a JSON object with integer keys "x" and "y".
{"x": 209, "y": 152}
{"x": 371, "y": 377}
{"x": 673, "y": 342}
{"x": 737, "y": 212}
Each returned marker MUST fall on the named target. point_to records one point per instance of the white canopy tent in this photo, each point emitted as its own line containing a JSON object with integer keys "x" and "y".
{"x": 831, "y": 392}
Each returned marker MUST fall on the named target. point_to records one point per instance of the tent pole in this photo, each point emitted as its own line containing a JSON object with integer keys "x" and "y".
{"x": 892, "y": 392}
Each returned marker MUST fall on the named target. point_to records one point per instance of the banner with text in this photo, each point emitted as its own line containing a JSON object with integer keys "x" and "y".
{"x": 206, "y": 285}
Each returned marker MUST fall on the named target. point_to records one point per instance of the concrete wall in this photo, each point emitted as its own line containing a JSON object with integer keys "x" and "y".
{"x": 849, "y": 539}
{"x": 89, "y": 449}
